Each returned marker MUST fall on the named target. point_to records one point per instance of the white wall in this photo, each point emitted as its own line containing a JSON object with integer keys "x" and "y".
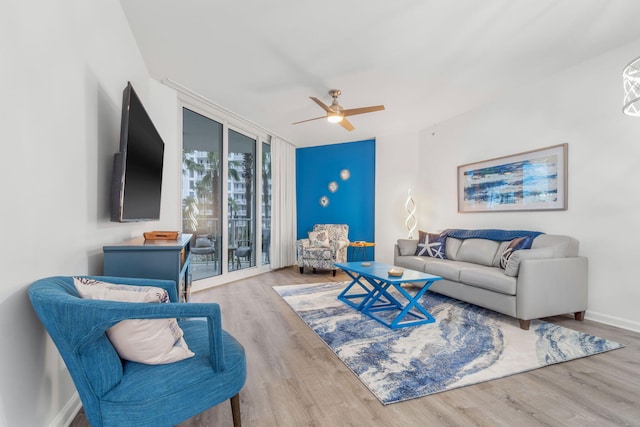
{"x": 582, "y": 107}
{"x": 64, "y": 66}
{"x": 397, "y": 166}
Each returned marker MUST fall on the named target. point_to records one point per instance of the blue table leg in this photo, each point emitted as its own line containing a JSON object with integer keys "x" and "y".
{"x": 349, "y": 298}
{"x": 413, "y": 302}
{"x": 380, "y": 299}
{"x": 422, "y": 316}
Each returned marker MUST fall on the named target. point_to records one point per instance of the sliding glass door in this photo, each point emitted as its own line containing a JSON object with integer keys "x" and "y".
{"x": 202, "y": 191}
{"x": 266, "y": 203}
{"x": 226, "y": 196}
{"x": 241, "y": 198}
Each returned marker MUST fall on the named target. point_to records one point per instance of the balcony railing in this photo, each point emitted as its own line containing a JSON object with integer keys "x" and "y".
{"x": 239, "y": 236}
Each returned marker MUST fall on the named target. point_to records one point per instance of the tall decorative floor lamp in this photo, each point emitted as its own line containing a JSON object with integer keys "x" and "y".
{"x": 411, "y": 222}
{"x": 631, "y": 80}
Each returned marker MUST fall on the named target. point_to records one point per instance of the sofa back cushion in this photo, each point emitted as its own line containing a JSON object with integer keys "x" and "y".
{"x": 563, "y": 246}
{"x": 477, "y": 251}
{"x": 451, "y": 247}
{"x": 501, "y": 248}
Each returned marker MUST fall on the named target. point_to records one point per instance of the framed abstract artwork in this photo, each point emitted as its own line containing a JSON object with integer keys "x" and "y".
{"x": 530, "y": 181}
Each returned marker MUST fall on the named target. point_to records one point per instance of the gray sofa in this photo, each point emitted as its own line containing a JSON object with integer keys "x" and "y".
{"x": 548, "y": 279}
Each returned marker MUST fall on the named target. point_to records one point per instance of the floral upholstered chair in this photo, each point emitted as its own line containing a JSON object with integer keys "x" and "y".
{"x": 326, "y": 245}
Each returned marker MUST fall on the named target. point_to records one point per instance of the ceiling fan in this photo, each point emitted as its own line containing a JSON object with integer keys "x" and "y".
{"x": 337, "y": 114}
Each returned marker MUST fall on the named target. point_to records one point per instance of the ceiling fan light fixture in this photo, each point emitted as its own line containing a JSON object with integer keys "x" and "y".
{"x": 334, "y": 117}
{"x": 336, "y": 114}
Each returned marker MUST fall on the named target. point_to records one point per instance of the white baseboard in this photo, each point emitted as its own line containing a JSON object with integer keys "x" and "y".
{"x": 613, "y": 321}
{"x": 68, "y": 413}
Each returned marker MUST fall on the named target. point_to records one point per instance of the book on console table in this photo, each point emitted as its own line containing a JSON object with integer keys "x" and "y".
{"x": 161, "y": 235}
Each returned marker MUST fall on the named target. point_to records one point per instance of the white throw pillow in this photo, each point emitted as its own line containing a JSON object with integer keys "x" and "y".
{"x": 150, "y": 341}
{"x": 513, "y": 264}
{"x": 319, "y": 239}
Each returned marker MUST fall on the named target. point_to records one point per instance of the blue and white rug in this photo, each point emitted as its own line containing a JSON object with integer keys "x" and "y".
{"x": 466, "y": 345}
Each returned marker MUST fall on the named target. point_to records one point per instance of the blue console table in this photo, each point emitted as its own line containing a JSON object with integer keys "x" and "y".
{"x": 152, "y": 259}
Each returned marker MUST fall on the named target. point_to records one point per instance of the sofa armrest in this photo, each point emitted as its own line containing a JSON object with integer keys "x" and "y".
{"x": 405, "y": 247}
{"x": 303, "y": 243}
{"x": 339, "y": 244}
{"x": 549, "y": 287}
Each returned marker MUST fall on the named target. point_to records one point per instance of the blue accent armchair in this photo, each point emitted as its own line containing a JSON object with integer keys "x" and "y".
{"x": 116, "y": 392}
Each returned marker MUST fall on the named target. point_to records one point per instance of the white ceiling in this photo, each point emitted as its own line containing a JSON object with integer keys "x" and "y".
{"x": 425, "y": 60}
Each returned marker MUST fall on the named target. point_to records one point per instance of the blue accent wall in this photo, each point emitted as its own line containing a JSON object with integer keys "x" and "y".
{"x": 353, "y": 203}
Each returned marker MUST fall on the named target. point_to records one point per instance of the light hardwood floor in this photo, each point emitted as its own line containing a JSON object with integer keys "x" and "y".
{"x": 294, "y": 379}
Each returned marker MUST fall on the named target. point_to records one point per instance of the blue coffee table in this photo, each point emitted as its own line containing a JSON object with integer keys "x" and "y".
{"x": 369, "y": 292}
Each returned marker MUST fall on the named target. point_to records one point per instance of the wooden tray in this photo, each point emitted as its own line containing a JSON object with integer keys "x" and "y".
{"x": 161, "y": 235}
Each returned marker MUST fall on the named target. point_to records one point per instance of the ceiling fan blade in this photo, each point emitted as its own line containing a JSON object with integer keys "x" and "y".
{"x": 321, "y": 104}
{"x": 308, "y": 120}
{"x": 346, "y": 124}
{"x": 354, "y": 111}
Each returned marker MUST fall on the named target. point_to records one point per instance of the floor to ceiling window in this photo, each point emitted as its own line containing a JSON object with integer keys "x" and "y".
{"x": 266, "y": 203}
{"x": 241, "y": 197}
{"x": 202, "y": 190}
{"x": 226, "y": 202}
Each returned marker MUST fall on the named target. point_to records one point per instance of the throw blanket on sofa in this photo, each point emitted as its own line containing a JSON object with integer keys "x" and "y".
{"x": 490, "y": 234}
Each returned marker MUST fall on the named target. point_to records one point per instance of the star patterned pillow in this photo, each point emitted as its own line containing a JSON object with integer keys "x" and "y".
{"x": 431, "y": 245}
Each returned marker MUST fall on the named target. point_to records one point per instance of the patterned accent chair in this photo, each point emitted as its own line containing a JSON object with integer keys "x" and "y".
{"x": 326, "y": 245}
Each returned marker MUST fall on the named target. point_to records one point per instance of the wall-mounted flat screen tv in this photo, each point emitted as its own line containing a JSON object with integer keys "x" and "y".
{"x": 137, "y": 168}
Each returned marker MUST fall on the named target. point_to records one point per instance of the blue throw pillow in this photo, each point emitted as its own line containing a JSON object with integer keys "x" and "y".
{"x": 515, "y": 245}
{"x": 431, "y": 245}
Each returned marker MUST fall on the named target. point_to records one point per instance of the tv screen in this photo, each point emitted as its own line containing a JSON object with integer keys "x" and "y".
{"x": 137, "y": 168}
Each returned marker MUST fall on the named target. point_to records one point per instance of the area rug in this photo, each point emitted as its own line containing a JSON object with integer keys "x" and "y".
{"x": 466, "y": 345}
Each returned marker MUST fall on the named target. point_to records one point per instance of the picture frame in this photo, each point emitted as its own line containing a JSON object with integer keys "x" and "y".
{"x": 530, "y": 181}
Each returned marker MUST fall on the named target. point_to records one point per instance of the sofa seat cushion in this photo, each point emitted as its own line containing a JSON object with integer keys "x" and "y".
{"x": 446, "y": 269}
{"x": 490, "y": 278}
{"x": 449, "y": 270}
{"x": 134, "y": 386}
{"x": 412, "y": 262}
